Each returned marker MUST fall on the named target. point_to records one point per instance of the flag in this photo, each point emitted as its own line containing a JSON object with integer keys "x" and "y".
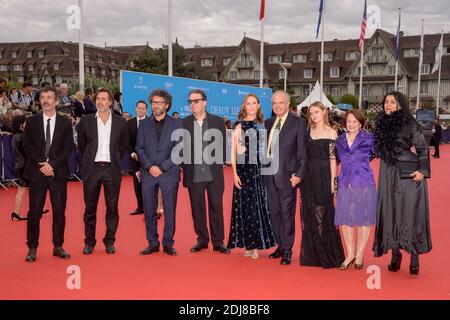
{"x": 320, "y": 18}
{"x": 437, "y": 62}
{"x": 397, "y": 47}
{"x": 262, "y": 10}
{"x": 362, "y": 36}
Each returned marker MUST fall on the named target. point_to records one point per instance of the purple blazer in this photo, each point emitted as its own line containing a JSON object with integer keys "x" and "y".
{"x": 355, "y": 161}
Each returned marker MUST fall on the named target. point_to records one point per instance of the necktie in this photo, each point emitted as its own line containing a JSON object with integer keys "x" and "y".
{"x": 278, "y": 126}
{"x": 138, "y": 123}
{"x": 47, "y": 140}
{"x": 272, "y": 139}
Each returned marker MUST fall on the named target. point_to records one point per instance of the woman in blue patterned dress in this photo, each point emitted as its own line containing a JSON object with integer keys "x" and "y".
{"x": 250, "y": 224}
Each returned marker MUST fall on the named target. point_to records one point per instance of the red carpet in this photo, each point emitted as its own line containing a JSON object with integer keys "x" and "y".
{"x": 206, "y": 275}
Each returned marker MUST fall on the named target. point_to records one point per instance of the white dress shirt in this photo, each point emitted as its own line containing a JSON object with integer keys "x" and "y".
{"x": 104, "y": 137}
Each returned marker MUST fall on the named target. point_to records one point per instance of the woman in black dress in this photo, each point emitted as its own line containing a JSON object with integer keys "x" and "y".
{"x": 321, "y": 243}
{"x": 403, "y": 218}
{"x": 250, "y": 224}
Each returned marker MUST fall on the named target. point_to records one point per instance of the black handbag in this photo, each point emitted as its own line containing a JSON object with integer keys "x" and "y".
{"x": 406, "y": 168}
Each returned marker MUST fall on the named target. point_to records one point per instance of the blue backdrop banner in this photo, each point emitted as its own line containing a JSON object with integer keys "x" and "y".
{"x": 223, "y": 99}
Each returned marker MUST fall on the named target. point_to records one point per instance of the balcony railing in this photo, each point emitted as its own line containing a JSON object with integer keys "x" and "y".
{"x": 377, "y": 59}
{"x": 245, "y": 65}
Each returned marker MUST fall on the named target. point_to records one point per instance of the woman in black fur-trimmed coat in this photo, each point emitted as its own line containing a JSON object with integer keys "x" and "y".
{"x": 402, "y": 207}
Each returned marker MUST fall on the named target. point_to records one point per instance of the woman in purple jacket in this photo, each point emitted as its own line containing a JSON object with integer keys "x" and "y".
{"x": 356, "y": 196}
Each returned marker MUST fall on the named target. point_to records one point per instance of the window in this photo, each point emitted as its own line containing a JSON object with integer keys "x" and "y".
{"x": 334, "y": 72}
{"x": 275, "y": 59}
{"x": 306, "y": 90}
{"x": 35, "y": 80}
{"x": 377, "y": 52}
{"x": 425, "y": 69}
{"x": 424, "y": 87}
{"x": 326, "y": 57}
{"x": 233, "y": 75}
{"x": 299, "y": 58}
{"x": 20, "y": 79}
{"x": 13, "y": 54}
{"x": 390, "y": 87}
{"x": 56, "y": 66}
{"x": 17, "y": 67}
{"x": 364, "y": 71}
{"x": 407, "y": 53}
{"x": 30, "y": 54}
{"x": 104, "y": 72}
{"x": 86, "y": 57}
{"x": 1, "y": 54}
{"x": 365, "y": 90}
{"x": 40, "y": 54}
{"x": 206, "y": 62}
{"x": 307, "y": 73}
{"x": 226, "y": 61}
{"x": 257, "y": 73}
{"x": 93, "y": 70}
{"x": 352, "y": 55}
{"x": 58, "y": 79}
{"x": 335, "y": 92}
{"x": 113, "y": 61}
{"x": 99, "y": 59}
{"x": 281, "y": 74}
{"x": 391, "y": 70}
{"x": 30, "y": 67}
{"x": 3, "y": 67}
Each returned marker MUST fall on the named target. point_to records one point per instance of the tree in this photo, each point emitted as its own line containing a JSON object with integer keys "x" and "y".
{"x": 350, "y": 99}
{"x": 156, "y": 61}
{"x": 330, "y": 97}
{"x": 290, "y": 89}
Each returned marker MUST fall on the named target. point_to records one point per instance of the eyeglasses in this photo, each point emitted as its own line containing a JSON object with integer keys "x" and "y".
{"x": 194, "y": 101}
{"x": 158, "y": 103}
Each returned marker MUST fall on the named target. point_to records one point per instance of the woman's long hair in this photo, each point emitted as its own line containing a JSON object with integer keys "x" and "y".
{"x": 320, "y": 105}
{"x": 243, "y": 113}
{"x": 402, "y": 103}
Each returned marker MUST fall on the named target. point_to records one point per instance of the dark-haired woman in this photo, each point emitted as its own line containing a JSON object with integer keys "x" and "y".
{"x": 403, "y": 219}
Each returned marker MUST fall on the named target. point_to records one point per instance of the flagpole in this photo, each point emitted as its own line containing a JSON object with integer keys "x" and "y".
{"x": 169, "y": 30}
{"x": 81, "y": 48}
{"x": 361, "y": 76}
{"x": 439, "y": 76}
{"x": 322, "y": 46}
{"x": 261, "y": 55}
{"x": 397, "y": 50}
{"x": 420, "y": 68}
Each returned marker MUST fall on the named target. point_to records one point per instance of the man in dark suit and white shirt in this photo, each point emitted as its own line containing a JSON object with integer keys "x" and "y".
{"x": 158, "y": 171}
{"x": 287, "y": 146}
{"x": 48, "y": 144}
{"x": 133, "y": 125}
{"x": 102, "y": 140}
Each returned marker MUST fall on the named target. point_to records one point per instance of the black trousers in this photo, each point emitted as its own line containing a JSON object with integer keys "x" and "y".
{"x": 282, "y": 204}
{"x": 136, "y": 167}
{"x": 58, "y": 198}
{"x": 436, "y": 147}
{"x": 101, "y": 175}
{"x": 215, "y": 212}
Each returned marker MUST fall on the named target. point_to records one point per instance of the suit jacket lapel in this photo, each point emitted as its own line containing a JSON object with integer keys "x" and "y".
{"x": 56, "y": 133}
{"x": 153, "y": 129}
{"x": 40, "y": 128}
{"x": 286, "y": 125}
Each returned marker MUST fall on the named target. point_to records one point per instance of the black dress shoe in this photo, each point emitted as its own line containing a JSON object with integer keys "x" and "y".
{"x": 276, "y": 254}
{"x": 414, "y": 270}
{"x": 285, "y": 260}
{"x": 199, "y": 247}
{"x": 137, "y": 211}
{"x": 221, "y": 249}
{"x": 170, "y": 251}
{"x": 17, "y": 217}
{"x": 59, "y": 252}
{"x": 88, "y": 249}
{"x": 414, "y": 265}
{"x": 149, "y": 250}
{"x": 109, "y": 248}
{"x": 31, "y": 256}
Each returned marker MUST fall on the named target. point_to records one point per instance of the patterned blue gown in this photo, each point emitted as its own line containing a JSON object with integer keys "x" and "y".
{"x": 250, "y": 224}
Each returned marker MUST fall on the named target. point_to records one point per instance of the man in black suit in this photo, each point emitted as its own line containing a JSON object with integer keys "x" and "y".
{"x": 286, "y": 150}
{"x": 199, "y": 176}
{"x": 437, "y": 136}
{"x": 102, "y": 140}
{"x": 48, "y": 144}
{"x": 133, "y": 126}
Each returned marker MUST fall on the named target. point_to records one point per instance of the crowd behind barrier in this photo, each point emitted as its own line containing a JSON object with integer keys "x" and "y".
{"x": 8, "y": 159}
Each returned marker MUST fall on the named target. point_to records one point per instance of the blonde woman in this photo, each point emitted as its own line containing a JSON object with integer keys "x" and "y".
{"x": 250, "y": 224}
{"x": 321, "y": 244}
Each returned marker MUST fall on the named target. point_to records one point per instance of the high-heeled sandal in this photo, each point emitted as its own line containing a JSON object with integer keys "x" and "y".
{"x": 248, "y": 253}
{"x": 414, "y": 266}
{"x": 348, "y": 265}
{"x": 17, "y": 217}
{"x": 396, "y": 262}
{"x": 359, "y": 266}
